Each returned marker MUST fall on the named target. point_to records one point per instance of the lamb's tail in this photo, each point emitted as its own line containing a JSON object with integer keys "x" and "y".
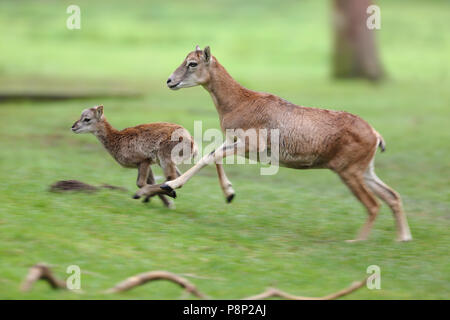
{"x": 194, "y": 148}
{"x": 381, "y": 143}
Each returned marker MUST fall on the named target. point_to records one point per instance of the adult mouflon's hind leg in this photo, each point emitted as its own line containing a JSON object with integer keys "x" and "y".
{"x": 354, "y": 179}
{"x": 392, "y": 199}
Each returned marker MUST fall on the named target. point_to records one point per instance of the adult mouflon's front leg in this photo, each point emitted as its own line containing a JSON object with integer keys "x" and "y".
{"x": 169, "y": 187}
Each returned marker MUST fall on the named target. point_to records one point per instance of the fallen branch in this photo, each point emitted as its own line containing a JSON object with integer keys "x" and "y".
{"x": 273, "y": 292}
{"x": 142, "y": 278}
{"x": 42, "y": 271}
{"x": 191, "y": 275}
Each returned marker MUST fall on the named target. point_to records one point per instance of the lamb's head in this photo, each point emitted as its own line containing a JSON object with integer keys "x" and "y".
{"x": 89, "y": 120}
{"x": 193, "y": 71}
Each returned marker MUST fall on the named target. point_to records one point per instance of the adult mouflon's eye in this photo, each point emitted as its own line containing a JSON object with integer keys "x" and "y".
{"x": 86, "y": 120}
{"x": 193, "y": 64}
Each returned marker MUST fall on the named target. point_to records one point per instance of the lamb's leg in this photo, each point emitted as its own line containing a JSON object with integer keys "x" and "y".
{"x": 143, "y": 172}
{"x": 151, "y": 180}
{"x": 170, "y": 170}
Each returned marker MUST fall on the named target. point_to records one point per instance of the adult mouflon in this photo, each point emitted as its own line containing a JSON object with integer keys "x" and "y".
{"x": 308, "y": 137}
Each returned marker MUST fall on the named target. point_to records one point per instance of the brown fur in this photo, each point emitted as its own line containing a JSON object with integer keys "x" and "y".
{"x": 145, "y": 142}
{"x": 138, "y": 147}
{"x": 309, "y": 137}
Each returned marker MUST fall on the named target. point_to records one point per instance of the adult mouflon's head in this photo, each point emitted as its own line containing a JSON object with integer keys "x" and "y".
{"x": 193, "y": 71}
{"x": 89, "y": 120}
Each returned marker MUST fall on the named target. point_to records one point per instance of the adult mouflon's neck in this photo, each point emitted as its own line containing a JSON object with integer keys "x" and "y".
{"x": 226, "y": 92}
{"x": 106, "y": 134}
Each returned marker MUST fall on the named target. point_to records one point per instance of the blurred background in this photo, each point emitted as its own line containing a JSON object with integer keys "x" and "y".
{"x": 286, "y": 230}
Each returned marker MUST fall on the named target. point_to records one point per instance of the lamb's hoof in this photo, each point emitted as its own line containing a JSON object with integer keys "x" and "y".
{"x": 168, "y": 190}
{"x": 136, "y": 196}
{"x": 230, "y": 198}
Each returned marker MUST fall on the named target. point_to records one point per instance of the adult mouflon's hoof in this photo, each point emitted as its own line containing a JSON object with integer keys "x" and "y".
{"x": 136, "y": 196}
{"x": 169, "y": 191}
{"x": 230, "y": 198}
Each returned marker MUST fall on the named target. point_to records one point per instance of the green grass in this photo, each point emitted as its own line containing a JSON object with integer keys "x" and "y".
{"x": 286, "y": 230}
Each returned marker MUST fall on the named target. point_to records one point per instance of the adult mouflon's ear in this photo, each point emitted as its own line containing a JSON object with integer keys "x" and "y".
{"x": 207, "y": 54}
{"x": 99, "y": 111}
{"x": 197, "y": 48}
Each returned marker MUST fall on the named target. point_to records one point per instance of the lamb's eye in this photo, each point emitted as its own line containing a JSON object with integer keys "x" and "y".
{"x": 86, "y": 120}
{"x": 193, "y": 64}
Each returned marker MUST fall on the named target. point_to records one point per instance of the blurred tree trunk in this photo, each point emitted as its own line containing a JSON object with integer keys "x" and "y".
{"x": 355, "y": 52}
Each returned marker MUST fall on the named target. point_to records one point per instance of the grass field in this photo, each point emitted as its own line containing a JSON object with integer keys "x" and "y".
{"x": 292, "y": 239}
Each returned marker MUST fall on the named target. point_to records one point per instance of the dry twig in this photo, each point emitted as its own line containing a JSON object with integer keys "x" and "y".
{"x": 142, "y": 278}
{"x": 41, "y": 271}
{"x": 274, "y": 292}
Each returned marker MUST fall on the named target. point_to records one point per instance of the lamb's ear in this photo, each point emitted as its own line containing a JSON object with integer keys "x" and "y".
{"x": 99, "y": 111}
{"x": 207, "y": 54}
{"x": 197, "y": 48}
